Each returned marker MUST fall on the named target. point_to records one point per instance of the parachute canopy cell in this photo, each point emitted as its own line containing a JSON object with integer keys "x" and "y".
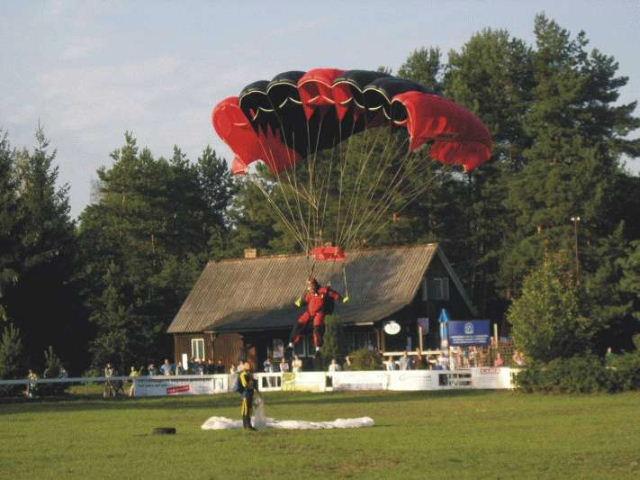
{"x": 297, "y": 114}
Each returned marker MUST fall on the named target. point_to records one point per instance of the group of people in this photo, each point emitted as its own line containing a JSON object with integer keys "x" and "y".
{"x": 195, "y": 366}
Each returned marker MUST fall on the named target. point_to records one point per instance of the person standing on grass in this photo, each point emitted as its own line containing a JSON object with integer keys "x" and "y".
{"x": 248, "y": 387}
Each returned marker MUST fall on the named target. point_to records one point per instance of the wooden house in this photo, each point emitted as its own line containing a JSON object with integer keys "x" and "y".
{"x": 244, "y": 308}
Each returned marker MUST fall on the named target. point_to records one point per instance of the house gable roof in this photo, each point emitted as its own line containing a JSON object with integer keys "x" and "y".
{"x": 257, "y": 294}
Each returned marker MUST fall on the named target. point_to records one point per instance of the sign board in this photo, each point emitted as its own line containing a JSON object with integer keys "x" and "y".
{"x": 392, "y": 327}
{"x": 469, "y": 332}
{"x": 191, "y": 385}
{"x": 424, "y": 324}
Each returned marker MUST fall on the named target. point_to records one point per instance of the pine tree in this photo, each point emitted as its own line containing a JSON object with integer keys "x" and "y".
{"x": 43, "y": 301}
{"x": 11, "y": 352}
{"x": 153, "y": 223}
{"x": 572, "y": 164}
{"x": 9, "y": 222}
{"x": 493, "y": 76}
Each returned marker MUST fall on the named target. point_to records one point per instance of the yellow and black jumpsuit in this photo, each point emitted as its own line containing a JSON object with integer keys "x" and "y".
{"x": 249, "y": 386}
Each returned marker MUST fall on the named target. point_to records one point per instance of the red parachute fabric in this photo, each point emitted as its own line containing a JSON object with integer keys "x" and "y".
{"x": 234, "y": 128}
{"x": 316, "y": 88}
{"x": 459, "y": 136}
{"x": 328, "y": 253}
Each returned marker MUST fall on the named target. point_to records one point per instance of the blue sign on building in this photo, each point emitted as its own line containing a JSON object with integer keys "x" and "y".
{"x": 469, "y": 332}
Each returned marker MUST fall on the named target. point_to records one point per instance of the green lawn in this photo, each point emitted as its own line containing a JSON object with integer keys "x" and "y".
{"x": 457, "y": 435}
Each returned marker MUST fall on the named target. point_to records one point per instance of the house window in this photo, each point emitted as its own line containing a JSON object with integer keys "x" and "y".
{"x": 304, "y": 347}
{"x": 440, "y": 288}
{"x": 357, "y": 340}
{"x": 197, "y": 348}
{"x": 436, "y": 288}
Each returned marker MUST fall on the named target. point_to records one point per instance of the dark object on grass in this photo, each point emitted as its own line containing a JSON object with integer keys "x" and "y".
{"x": 164, "y": 431}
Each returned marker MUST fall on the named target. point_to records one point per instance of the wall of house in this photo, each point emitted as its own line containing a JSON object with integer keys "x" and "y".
{"x": 419, "y": 308}
{"x": 228, "y": 347}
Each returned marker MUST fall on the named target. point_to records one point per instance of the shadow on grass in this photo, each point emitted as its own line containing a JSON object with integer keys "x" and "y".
{"x": 96, "y": 402}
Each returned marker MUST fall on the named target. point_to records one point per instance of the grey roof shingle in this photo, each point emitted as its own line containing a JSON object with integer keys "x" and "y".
{"x": 254, "y": 294}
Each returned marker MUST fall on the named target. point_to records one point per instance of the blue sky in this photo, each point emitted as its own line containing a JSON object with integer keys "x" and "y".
{"x": 89, "y": 70}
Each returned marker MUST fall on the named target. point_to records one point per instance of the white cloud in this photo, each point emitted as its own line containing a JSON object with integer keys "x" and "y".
{"x": 81, "y": 47}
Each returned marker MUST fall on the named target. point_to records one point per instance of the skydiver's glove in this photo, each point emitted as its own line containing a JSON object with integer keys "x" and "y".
{"x": 298, "y": 302}
{"x": 345, "y": 299}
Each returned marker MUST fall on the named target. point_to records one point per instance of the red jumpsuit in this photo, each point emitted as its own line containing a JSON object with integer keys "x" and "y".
{"x": 317, "y": 303}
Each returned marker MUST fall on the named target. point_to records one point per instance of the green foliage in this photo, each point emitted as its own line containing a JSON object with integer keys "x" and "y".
{"x": 626, "y": 370}
{"x": 38, "y": 257}
{"x": 572, "y": 165}
{"x": 333, "y": 346}
{"x": 424, "y": 66}
{"x": 630, "y": 282}
{"x": 546, "y": 319}
{"x": 582, "y": 374}
{"x": 12, "y": 365}
{"x": 9, "y": 221}
{"x": 11, "y": 353}
{"x": 145, "y": 241}
{"x": 52, "y": 369}
{"x": 577, "y": 374}
{"x": 365, "y": 359}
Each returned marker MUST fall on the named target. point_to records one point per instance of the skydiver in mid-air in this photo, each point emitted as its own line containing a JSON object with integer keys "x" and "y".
{"x": 320, "y": 302}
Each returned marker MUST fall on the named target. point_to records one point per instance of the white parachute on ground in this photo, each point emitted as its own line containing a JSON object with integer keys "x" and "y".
{"x": 223, "y": 423}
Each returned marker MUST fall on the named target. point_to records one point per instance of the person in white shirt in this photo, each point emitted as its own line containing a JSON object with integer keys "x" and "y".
{"x": 391, "y": 364}
{"x": 334, "y": 366}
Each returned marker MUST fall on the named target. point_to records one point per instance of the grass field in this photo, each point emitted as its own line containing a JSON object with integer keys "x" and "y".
{"x": 472, "y": 434}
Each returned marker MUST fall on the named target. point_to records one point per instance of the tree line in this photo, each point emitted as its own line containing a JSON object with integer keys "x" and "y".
{"x": 546, "y": 235}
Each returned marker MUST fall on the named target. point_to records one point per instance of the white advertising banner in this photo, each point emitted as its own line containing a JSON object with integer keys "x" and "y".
{"x": 191, "y": 385}
{"x": 304, "y": 381}
{"x": 373, "y": 380}
{"x": 491, "y": 378}
{"x": 412, "y": 380}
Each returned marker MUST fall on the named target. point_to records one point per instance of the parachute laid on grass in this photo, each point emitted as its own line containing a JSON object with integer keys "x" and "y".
{"x": 343, "y": 148}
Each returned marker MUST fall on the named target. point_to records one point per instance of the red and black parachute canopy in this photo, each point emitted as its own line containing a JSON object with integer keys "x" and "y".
{"x": 296, "y": 114}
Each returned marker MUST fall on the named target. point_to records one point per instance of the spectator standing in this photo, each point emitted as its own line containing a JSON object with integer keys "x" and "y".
{"x": 152, "y": 371}
{"x": 219, "y": 367}
{"x": 498, "y": 362}
{"x": 32, "y": 384}
{"x": 284, "y": 366}
{"x": 404, "y": 362}
{"x": 334, "y": 366}
{"x": 518, "y": 358}
{"x": 109, "y": 388}
{"x": 391, "y": 364}
{"x": 165, "y": 368}
{"x": 133, "y": 374}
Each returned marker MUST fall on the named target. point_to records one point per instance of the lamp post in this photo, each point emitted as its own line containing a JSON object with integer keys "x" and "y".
{"x": 575, "y": 221}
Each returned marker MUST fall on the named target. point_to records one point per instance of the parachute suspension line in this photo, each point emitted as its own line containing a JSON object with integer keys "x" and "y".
{"x": 408, "y": 201}
{"x": 397, "y": 190}
{"x": 394, "y": 190}
{"x": 356, "y": 203}
{"x": 385, "y": 202}
{"x": 288, "y": 221}
{"x": 344, "y": 155}
{"x": 353, "y": 204}
{"x": 326, "y": 187}
{"x": 410, "y": 195}
{"x": 296, "y": 193}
